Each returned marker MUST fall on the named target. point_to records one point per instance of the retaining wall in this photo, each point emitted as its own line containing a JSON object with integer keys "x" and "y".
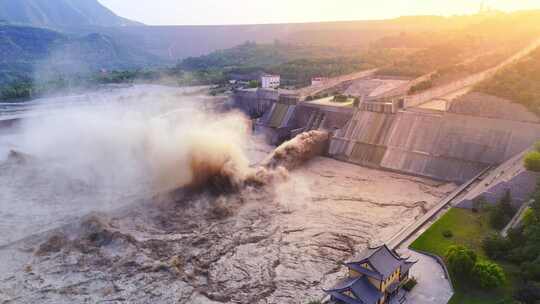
{"x": 255, "y": 102}
{"x": 443, "y": 146}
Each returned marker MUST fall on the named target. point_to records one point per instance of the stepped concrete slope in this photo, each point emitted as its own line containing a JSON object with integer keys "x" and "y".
{"x": 480, "y": 104}
{"x": 441, "y": 145}
{"x": 509, "y": 176}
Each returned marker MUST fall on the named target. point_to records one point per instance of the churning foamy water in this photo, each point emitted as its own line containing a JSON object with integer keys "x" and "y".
{"x": 101, "y": 151}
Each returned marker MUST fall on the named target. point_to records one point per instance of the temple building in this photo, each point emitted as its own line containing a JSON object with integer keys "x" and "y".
{"x": 375, "y": 277}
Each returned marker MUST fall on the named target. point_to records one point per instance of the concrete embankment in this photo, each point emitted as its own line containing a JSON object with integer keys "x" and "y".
{"x": 443, "y": 146}
{"x": 255, "y": 102}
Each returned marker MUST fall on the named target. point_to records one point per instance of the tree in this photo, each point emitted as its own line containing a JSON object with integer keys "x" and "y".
{"x": 502, "y": 213}
{"x": 529, "y": 217}
{"x": 460, "y": 260}
{"x": 495, "y": 246}
{"x": 532, "y": 161}
{"x": 253, "y": 84}
{"x": 528, "y": 293}
{"x": 488, "y": 275}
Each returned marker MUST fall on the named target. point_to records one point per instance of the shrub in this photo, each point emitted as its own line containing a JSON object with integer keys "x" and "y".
{"x": 340, "y": 98}
{"x": 529, "y": 217}
{"x": 460, "y": 260}
{"x": 447, "y": 234}
{"x": 532, "y": 161}
{"x": 253, "y": 84}
{"x": 488, "y": 275}
{"x": 409, "y": 285}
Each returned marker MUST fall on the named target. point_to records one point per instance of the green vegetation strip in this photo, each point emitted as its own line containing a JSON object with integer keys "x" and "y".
{"x": 468, "y": 229}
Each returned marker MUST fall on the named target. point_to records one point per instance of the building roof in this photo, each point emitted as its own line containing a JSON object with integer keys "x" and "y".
{"x": 405, "y": 266}
{"x": 362, "y": 289}
{"x": 363, "y": 270}
{"x": 365, "y": 291}
{"x": 382, "y": 260}
{"x": 344, "y": 298}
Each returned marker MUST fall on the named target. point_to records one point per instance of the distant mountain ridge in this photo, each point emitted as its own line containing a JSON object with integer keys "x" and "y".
{"x": 27, "y": 52}
{"x": 60, "y": 14}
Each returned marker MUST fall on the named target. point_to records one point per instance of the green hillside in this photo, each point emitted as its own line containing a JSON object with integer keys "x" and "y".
{"x": 519, "y": 82}
{"x": 60, "y": 13}
{"x": 26, "y": 52}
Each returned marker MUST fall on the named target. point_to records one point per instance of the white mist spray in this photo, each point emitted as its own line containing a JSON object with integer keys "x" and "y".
{"x": 102, "y": 157}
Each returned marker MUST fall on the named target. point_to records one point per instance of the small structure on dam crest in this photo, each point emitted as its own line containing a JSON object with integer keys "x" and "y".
{"x": 375, "y": 277}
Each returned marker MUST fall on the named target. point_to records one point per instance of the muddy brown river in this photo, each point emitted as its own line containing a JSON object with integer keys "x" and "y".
{"x": 281, "y": 242}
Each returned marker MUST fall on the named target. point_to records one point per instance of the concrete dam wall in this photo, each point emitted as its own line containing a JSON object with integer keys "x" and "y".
{"x": 450, "y": 146}
{"x": 255, "y": 102}
{"x": 444, "y": 146}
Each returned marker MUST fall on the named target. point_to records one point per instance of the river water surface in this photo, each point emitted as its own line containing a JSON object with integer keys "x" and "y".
{"x": 278, "y": 243}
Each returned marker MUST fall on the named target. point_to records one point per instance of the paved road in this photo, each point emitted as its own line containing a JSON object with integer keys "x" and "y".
{"x": 332, "y": 82}
{"x": 433, "y": 287}
{"x": 406, "y": 233}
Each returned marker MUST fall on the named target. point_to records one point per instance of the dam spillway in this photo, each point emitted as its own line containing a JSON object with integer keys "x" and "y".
{"x": 452, "y": 145}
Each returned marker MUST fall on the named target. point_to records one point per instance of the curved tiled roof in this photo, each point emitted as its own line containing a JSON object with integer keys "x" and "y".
{"x": 362, "y": 289}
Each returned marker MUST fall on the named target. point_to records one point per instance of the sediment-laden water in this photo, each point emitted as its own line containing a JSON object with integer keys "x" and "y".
{"x": 238, "y": 233}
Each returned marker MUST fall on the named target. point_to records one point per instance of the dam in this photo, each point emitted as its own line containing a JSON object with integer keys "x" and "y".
{"x": 276, "y": 240}
{"x": 472, "y": 132}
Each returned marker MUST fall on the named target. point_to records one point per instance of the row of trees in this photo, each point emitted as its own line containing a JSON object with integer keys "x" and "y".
{"x": 28, "y": 88}
{"x": 522, "y": 248}
{"x": 464, "y": 264}
{"x": 296, "y": 64}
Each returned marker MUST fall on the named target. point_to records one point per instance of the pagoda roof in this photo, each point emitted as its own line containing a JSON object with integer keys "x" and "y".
{"x": 382, "y": 260}
{"x": 361, "y": 288}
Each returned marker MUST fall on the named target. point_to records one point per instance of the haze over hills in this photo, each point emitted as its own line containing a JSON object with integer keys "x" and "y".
{"x": 173, "y": 43}
{"x": 67, "y": 36}
{"x": 60, "y": 13}
{"x": 27, "y": 52}
{"x": 169, "y": 42}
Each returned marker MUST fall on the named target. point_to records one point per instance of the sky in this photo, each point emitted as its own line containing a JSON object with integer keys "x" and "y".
{"x": 206, "y": 12}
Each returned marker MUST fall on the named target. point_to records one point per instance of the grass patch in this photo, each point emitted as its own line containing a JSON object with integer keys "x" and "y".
{"x": 468, "y": 229}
